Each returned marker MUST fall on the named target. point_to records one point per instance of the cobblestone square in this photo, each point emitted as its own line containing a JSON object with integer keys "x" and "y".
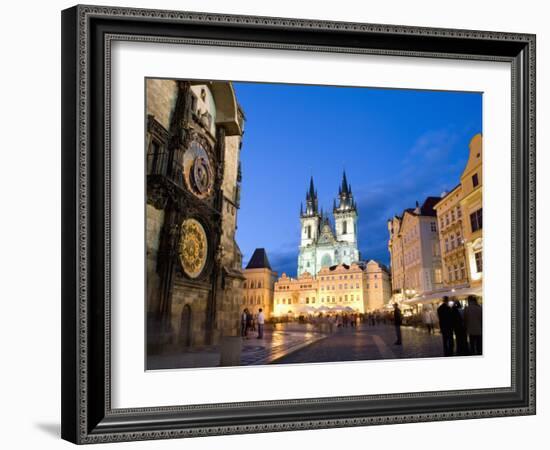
{"x": 368, "y": 343}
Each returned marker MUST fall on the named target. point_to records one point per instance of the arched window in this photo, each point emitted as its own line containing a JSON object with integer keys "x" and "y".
{"x": 344, "y": 227}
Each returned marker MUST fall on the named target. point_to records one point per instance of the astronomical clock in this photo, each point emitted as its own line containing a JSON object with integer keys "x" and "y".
{"x": 200, "y": 227}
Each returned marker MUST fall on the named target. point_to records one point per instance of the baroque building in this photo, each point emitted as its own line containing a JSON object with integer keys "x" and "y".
{"x": 458, "y": 268}
{"x": 320, "y": 244}
{"x": 355, "y": 288}
{"x": 194, "y": 275}
{"x": 259, "y": 284}
{"x": 460, "y": 214}
{"x": 415, "y": 251}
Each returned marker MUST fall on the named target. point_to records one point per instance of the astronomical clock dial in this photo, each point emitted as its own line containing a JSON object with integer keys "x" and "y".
{"x": 193, "y": 248}
{"x": 197, "y": 170}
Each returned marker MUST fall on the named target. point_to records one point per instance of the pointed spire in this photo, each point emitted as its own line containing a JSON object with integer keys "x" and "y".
{"x": 312, "y": 192}
{"x": 345, "y": 188}
{"x": 301, "y": 208}
{"x": 311, "y": 199}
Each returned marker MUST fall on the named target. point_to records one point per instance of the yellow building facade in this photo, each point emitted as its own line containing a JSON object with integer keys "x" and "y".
{"x": 460, "y": 229}
{"x": 459, "y": 215}
{"x": 351, "y": 288}
{"x": 451, "y": 238}
{"x": 259, "y": 283}
{"x": 472, "y": 207}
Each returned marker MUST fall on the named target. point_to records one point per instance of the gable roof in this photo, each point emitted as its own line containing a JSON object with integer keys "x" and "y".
{"x": 259, "y": 260}
{"x": 427, "y": 208}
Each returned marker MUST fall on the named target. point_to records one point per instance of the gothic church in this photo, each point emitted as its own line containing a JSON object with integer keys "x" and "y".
{"x": 320, "y": 244}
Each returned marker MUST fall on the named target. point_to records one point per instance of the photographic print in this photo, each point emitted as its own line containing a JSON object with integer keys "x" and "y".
{"x": 311, "y": 224}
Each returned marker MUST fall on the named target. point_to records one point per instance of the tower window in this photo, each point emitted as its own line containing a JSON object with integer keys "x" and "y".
{"x": 345, "y": 227}
{"x": 475, "y": 180}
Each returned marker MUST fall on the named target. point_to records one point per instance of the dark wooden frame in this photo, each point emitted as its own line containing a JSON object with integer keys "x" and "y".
{"x": 87, "y": 32}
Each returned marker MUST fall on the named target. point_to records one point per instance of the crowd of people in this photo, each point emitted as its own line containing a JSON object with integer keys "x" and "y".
{"x": 461, "y": 328}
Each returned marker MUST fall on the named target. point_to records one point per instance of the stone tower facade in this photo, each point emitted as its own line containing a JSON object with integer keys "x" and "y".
{"x": 320, "y": 244}
{"x": 194, "y": 274}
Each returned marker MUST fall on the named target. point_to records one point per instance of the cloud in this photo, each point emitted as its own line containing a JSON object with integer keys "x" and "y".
{"x": 430, "y": 167}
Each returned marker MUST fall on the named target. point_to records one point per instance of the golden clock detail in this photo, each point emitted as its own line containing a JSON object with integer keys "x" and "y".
{"x": 193, "y": 248}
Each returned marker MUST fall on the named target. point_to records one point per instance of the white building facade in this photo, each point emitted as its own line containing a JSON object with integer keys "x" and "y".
{"x": 320, "y": 244}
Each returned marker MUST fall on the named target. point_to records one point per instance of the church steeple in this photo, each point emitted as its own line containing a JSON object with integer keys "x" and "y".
{"x": 311, "y": 200}
{"x": 345, "y": 186}
{"x": 345, "y": 197}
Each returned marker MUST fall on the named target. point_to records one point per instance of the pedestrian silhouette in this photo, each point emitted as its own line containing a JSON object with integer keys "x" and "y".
{"x": 445, "y": 315}
{"x": 458, "y": 328}
{"x": 397, "y": 319}
{"x": 473, "y": 323}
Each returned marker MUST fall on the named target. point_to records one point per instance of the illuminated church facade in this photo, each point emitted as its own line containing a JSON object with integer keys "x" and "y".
{"x": 321, "y": 245}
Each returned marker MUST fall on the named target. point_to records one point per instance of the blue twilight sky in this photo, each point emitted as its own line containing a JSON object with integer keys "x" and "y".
{"x": 397, "y": 146}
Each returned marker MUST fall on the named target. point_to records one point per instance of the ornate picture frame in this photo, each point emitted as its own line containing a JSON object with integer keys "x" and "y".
{"x": 87, "y": 35}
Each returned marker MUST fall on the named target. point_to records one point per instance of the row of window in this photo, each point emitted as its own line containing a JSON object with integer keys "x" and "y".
{"x": 345, "y": 298}
{"x": 413, "y": 233}
{"x": 457, "y": 272}
{"x": 450, "y": 217}
{"x": 345, "y": 285}
{"x": 453, "y": 241}
{"x": 252, "y": 285}
{"x": 342, "y": 277}
{"x": 412, "y": 255}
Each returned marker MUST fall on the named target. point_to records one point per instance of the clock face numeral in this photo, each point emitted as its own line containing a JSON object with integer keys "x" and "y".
{"x": 193, "y": 248}
{"x": 197, "y": 170}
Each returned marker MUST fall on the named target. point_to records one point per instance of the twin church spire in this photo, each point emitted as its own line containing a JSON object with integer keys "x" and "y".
{"x": 345, "y": 203}
{"x": 325, "y": 242}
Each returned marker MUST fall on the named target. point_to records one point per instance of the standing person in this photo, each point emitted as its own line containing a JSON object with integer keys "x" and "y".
{"x": 428, "y": 317}
{"x": 397, "y": 320}
{"x": 244, "y": 316}
{"x": 261, "y": 321}
{"x": 248, "y": 321}
{"x": 459, "y": 329}
{"x": 445, "y": 314}
{"x": 472, "y": 322}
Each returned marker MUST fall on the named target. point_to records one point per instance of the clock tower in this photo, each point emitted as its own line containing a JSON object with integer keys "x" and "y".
{"x": 193, "y": 184}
